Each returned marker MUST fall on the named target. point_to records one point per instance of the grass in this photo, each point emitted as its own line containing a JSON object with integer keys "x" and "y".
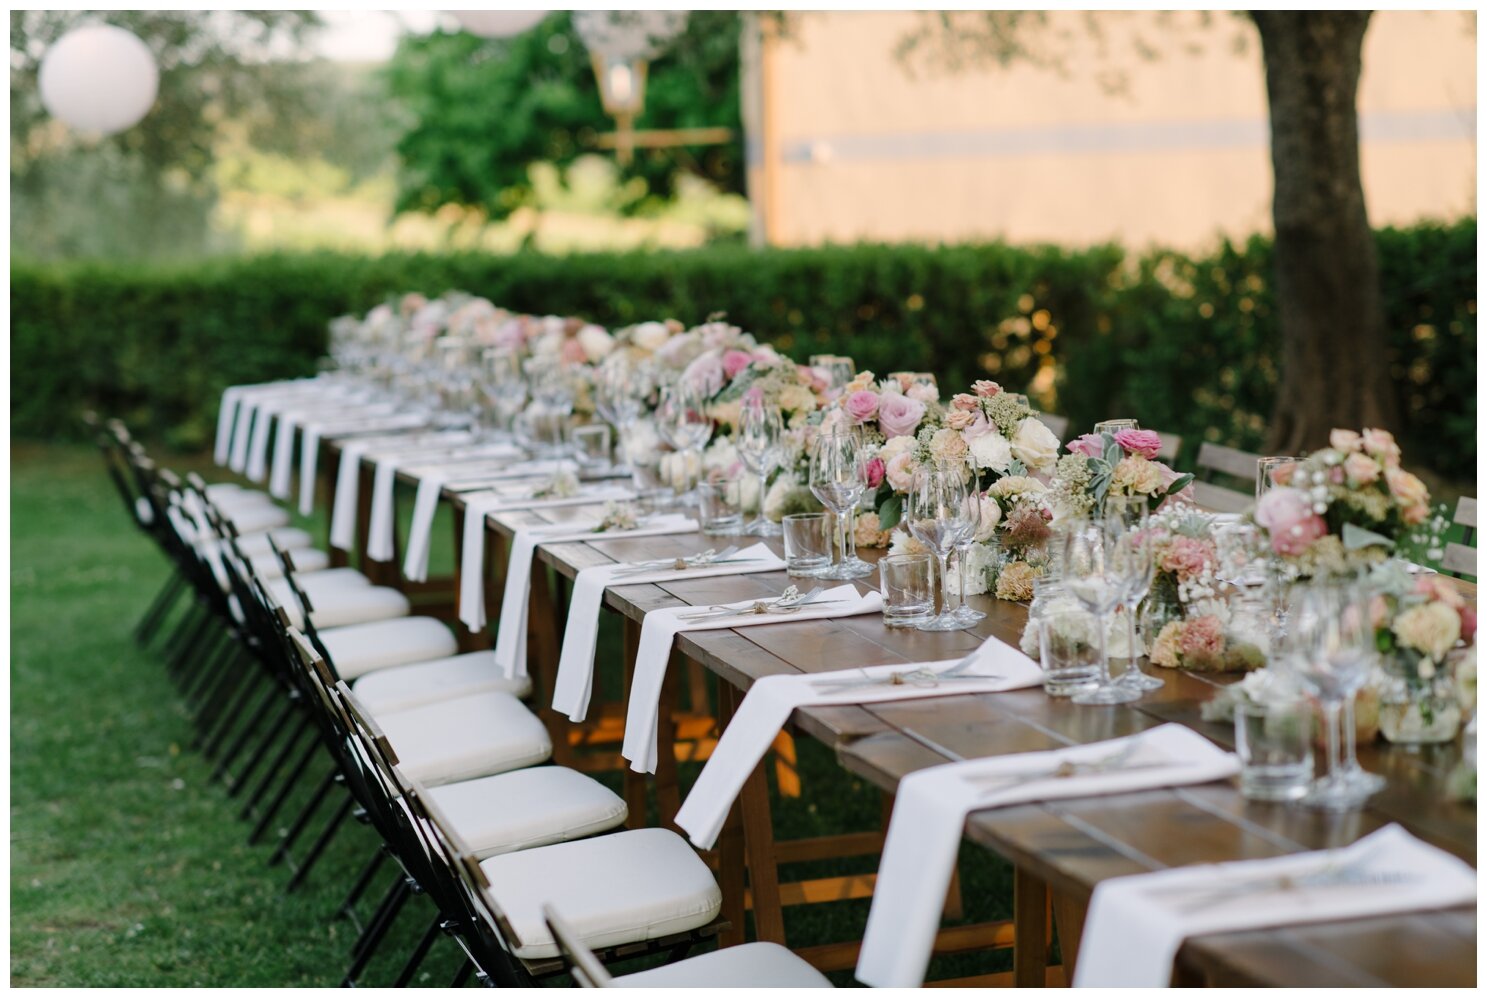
{"x": 129, "y": 866}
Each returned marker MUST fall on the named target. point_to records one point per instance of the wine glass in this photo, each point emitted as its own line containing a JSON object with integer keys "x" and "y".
{"x": 620, "y": 390}
{"x": 1265, "y": 469}
{"x": 936, "y": 513}
{"x": 759, "y": 441}
{"x": 838, "y": 370}
{"x": 1330, "y": 648}
{"x": 1128, "y": 516}
{"x": 963, "y": 545}
{"x": 682, "y": 422}
{"x": 838, "y": 479}
{"x": 1097, "y": 575}
{"x": 501, "y": 386}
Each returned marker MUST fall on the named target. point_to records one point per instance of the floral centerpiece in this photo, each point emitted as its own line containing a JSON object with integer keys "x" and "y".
{"x": 1121, "y": 463}
{"x": 1347, "y": 507}
{"x": 1419, "y": 623}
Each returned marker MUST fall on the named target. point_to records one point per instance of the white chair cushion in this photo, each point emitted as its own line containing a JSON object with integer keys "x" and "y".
{"x": 528, "y": 808}
{"x": 430, "y": 682}
{"x": 462, "y": 739}
{"x": 752, "y": 965}
{"x": 288, "y": 539}
{"x": 358, "y": 649}
{"x": 343, "y": 605}
{"x": 268, "y": 566}
{"x": 253, "y": 518}
{"x": 144, "y": 510}
{"x": 621, "y": 888}
{"x": 226, "y": 490}
{"x": 311, "y": 582}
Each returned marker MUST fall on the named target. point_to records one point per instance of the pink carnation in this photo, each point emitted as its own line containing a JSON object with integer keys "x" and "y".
{"x": 734, "y": 362}
{"x": 862, "y": 406}
{"x": 899, "y": 416}
{"x": 1090, "y": 445}
{"x": 1202, "y": 638}
{"x": 1143, "y": 442}
{"x": 1187, "y": 557}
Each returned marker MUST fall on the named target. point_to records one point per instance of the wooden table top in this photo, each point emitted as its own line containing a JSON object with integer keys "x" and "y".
{"x": 1074, "y": 844}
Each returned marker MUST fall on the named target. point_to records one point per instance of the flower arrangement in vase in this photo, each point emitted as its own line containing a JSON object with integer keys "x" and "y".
{"x": 1120, "y": 463}
{"x": 1421, "y": 623}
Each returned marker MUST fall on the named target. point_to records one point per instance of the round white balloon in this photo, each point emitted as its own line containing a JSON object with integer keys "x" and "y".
{"x": 627, "y": 35}
{"x": 99, "y": 78}
{"x": 498, "y": 23}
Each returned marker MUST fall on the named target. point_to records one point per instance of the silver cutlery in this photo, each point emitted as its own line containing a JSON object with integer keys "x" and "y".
{"x": 789, "y": 601}
{"x": 1115, "y": 762}
{"x": 705, "y": 559}
{"x": 1355, "y": 874}
{"x": 921, "y": 677}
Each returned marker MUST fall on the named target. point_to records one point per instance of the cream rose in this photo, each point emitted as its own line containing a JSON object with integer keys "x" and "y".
{"x": 1361, "y": 468}
{"x": 1035, "y": 445}
{"x": 650, "y": 335}
{"x": 900, "y": 471}
{"x": 991, "y": 452}
{"x": 991, "y": 515}
{"x": 1432, "y": 629}
{"x": 894, "y": 447}
{"x": 1345, "y": 440}
{"x": 1137, "y": 475}
{"x": 596, "y": 342}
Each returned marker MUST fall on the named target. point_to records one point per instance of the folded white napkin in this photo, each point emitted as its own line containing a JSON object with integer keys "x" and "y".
{"x": 930, "y": 812}
{"x": 290, "y": 420}
{"x": 772, "y": 700}
{"x": 380, "y": 539}
{"x": 575, "y": 681}
{"x": 426, "y": 503}
{"x": 240, "y": 415}
{"x": 659, "y": 631}
{"x": 1137, "y": 924}
{"x": 511, "y": 634}
{"x": 348, "y": 477}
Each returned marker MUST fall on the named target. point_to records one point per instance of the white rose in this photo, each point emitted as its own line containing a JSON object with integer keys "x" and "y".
{"x": 894, "y": 447}
{"x": 991, "y": 515}
{"x": 778, "y": 496}
{"x": 596, "y": 342}
{"x": 980, "y": 564}
{"x": 991, "y": 451}
{"x": 651, "y": 335}
{"x": 720, "y": 455}
{"x": 1035, "y": 445}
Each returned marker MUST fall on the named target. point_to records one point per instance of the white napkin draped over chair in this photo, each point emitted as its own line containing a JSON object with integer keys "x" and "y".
{"x": 929, "y": 816}
{"x": 659, "y": 631}
{"x": 1137, "y": 924}
{"x": 772, "y": 699}
{"x": 575, "y": 680}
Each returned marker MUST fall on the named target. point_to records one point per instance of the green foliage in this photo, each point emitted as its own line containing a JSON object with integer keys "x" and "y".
{"x": 1187, "y": 345}
{"x": 483, "y": 110}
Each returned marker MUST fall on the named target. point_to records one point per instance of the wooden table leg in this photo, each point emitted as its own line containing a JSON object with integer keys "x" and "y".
{"x": 1030, "y": 925}
{"x": 1068, "y": 915}
{"x": 764, "y": 875}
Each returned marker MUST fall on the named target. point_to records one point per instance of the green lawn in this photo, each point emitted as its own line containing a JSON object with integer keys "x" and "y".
{"x": 129, "y": 867}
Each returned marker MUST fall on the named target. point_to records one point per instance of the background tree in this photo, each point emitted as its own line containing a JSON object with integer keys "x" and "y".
{"x": 482, "y": 111}
{"x": 1334, "y": 369}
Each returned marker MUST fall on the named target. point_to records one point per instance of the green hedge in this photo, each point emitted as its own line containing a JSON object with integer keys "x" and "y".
{"x": 1186, "y": 344}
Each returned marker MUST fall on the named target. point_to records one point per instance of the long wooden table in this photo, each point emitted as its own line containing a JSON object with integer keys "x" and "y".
{"x": 1064, "y": 848}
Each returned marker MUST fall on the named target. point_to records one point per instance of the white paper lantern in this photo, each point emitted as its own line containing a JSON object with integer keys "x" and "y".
{"x": 628, "y": 35}
{"x": 498, "y": 23}
{"x": 99, "y": 79}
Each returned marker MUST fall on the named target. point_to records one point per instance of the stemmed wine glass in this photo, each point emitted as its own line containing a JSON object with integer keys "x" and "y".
{"x": 620, "y": 390}
{"x": 963, "y": 545}
{"x": 1330, "y": 648}
{"x": 1132, "y": 514}
{"x": 838, "y": 479}
{"x": 760, "y": 441}
{"x": 501, "y": 386}
{"x": 1097, "y": 575}
{"x": 552, "y": 393}
{"x": 936, "y": 515}
{"x": 682, "y": 422}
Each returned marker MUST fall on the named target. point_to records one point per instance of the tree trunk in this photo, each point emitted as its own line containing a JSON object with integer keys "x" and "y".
{"x": 1334, "y": 368}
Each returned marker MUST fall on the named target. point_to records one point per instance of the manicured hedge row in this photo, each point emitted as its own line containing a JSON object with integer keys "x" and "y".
{"x": 1186, "y": 344}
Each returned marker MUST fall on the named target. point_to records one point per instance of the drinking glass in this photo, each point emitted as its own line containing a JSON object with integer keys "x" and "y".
{"x": 963, "y": 547}
{"x": 620, "y": 390}
{"x": 1273, "y": 741}
{"x": 838, "y": 478}
{"x": 1069, "y": 649}
{"x": 1094, "y": 573}
{"x": 907, "y": 584}
{"x": 759, "y": 442}
{"x": 719, "y": 511}
{"x": 1329, "y": 647}
{"x": 1113, "y": 425}
{"x": 838, "y": 370}
{"x": 936, "y": 513}
{"x": 683, "y": 423}
{"x": 1128, "y": 519}
{"x": 807, "y": 544}
{"x": 1265, "y": 469}
{"x": 502, "y": 387}
{"x": 591, "y": 446}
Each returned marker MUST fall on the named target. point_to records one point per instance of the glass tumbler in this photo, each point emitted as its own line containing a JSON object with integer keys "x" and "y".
{"x": 718, "y": 509}
{"x": 1274, "y": 745}
{"x": 807, "y": 543}
{"x": 907, "y": 584}
{"x": 591, "y": 445}
{"x": 1070, "y": 649}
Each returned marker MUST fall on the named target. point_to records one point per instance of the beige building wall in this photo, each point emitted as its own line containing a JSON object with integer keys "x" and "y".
{"x": 848, "y": 143}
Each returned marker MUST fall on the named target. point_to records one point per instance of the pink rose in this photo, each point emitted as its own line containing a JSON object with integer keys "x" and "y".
{"x": 900, "y": 471}
{"x": 1345, "y": 440}
{"x": 734, "y": 362}
{"x": 1143, "y": 442}
{"x": 1090, "y": 445}
{"x": 959, "y": 419}
{"x": 1468, "y": 622}
{"x": 965, "y": 403}
{"x": 1187, "y": 557}
{"x": 1287, "y": 514}
{"x": 705, "y": 374}
{"x": 812, "y": 378}
{"x": 1361, "y": 469}
{"x": 923, "y": 393}
{"x": 979, "y": 427}
{"x": 898, "y": 415}
{"x": 1380, "y": 443}
{"x": 572, "y": 352}
{"x": 862, "y": 406}
{"x": 876, "y": 469}
{"x": 986, "y": 389}
{"x": 1408, "y": 489}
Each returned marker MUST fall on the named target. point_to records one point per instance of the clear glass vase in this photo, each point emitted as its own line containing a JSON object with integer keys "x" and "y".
{"x": 1416, "y": 711}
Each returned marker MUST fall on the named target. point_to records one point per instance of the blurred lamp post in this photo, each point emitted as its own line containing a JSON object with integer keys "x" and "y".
{"x": 98, "y": 79}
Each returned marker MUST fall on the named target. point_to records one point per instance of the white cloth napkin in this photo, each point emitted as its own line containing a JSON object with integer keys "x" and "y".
{"x": 930, "y": 812}
{"x": 659, "y": 631}
{"x": 290, "y": 420}
{"x": 309, "y": 455}
{"x": 1137, "y": 924}
{"x": 426, "y": 504}
{"x": 248, "y": 398}
{"x": 511, "y": 634}
{"x": 348, "y": 477}
{"x": 380, "y": 539}
{"x": 575, "y": 681}
{"x": 772, "y": 700}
